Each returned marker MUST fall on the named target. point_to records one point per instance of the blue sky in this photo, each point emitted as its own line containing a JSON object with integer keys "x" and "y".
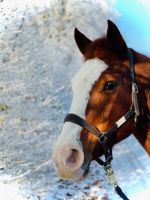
{"x": 134, "y": 23}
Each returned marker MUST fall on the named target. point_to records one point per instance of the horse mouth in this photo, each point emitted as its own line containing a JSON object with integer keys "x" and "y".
{"x": 86, "y": 171}
{"x": 85, "y": 166}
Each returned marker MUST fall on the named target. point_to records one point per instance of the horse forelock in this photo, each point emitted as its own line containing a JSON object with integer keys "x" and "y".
{"x": 101, "y": 49}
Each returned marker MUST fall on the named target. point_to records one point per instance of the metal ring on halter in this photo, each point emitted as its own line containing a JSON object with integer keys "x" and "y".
{"x": 134, "y": 88}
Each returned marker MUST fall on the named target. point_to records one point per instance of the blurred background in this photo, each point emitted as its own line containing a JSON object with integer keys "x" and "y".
{"x": 38, "y": 58}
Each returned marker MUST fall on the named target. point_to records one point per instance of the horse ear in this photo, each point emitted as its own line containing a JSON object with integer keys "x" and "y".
{"x": 116, "y": 40}
{"x": 81, "y": 40}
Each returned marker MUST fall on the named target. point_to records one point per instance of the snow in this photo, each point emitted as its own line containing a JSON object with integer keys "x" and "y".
{"x": 38, "y": 58}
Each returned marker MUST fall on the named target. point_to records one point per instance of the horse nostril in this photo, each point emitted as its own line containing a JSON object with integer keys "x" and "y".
{"x": 74, "y": 160}
{"x": 73, "y": 156}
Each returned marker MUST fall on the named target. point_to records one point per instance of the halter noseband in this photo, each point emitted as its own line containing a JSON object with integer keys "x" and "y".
{"x": 103, "y": 137}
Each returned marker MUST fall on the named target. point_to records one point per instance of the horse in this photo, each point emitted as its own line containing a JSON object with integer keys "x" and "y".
{"x": 111, "y": 101}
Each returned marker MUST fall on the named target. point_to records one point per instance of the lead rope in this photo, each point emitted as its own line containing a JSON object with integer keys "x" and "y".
{"x": 111, "y": 177}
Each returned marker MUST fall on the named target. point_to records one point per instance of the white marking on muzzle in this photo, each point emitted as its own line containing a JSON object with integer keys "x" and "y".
{"x": 69, "y": 138}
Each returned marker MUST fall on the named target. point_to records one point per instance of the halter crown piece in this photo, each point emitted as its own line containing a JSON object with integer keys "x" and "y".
{"x": 103, "y": 137}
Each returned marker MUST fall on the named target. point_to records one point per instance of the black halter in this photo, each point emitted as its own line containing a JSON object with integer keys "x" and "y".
{"x": 103, "y": 137}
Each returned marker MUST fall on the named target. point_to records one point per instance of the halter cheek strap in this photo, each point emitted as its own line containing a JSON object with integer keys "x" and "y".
{"x": 134, "y": 85}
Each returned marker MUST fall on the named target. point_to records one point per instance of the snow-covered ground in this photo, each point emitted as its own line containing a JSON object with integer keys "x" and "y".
{"x": 38, "y": 58}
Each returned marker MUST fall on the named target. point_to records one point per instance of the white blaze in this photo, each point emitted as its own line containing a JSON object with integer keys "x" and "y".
{"x": 82, "y": 84}
{"x": 69, "y": 138}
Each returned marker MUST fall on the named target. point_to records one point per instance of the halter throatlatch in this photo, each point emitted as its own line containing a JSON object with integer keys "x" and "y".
{"x": 104, "y": 137}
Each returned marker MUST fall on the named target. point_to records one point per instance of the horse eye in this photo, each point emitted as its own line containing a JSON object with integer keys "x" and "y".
{"x": 110, "y": 86}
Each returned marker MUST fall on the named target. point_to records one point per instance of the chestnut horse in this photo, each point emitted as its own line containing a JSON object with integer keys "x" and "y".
{"x": 111, "y": 88}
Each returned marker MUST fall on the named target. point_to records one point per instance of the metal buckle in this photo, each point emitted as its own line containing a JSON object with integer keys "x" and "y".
{"x": 111, "y": 175}
{"x": 134, "y": 88}
{"x": 135, "y": 100}
{"x": 102, "y": 138}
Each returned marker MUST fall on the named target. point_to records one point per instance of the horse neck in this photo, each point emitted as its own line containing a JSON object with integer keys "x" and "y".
{"x": 142, "y": 132}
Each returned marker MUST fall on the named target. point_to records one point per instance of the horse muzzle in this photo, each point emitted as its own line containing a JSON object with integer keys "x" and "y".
{"x": 71, "y": 163}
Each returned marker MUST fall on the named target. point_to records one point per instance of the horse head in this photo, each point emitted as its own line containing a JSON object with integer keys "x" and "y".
{"x": 102, "y": 94}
